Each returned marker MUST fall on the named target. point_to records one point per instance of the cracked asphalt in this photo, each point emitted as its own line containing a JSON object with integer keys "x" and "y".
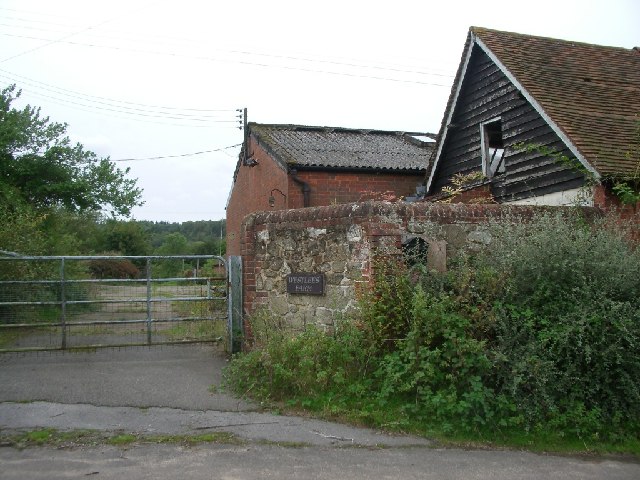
{"x": 174, "y": 390}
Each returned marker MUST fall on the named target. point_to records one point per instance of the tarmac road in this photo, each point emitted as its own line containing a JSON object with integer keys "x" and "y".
{"x": 168, "y": 390}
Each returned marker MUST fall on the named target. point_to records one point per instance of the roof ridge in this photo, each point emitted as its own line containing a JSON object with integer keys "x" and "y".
{"x": 479, "y": 30}
{"x": 312, "y": 128}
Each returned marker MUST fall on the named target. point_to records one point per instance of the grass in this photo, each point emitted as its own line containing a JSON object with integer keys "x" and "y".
{"x": 225, "y": 438}
{"x": 50, "y": 437}
{"x": 543, "y": 442}
{"x": 283, "y": 444}
{"x": 91, "y": 330}
{"x": 540, "y": 442}
{"x": 9, "y": 336}
{"x": 82, "y": 438}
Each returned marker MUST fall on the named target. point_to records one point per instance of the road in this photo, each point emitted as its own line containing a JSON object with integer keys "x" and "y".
{"x": 175, "y": 390}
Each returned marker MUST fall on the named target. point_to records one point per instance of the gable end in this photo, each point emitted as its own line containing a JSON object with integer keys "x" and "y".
{"x": 486, "y": 98}
{"x": 532, "y": 101}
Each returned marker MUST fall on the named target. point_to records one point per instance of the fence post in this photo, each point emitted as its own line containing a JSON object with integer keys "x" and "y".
{"x": 148, "y": 301}
{"x": 63, "y": 307}
{"x": 234, "y": 327}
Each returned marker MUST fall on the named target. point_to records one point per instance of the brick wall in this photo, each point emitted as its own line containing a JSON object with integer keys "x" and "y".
{"x": 627, "y": 216}
{"x": 604, "y": 199}
{"x": 340, "y": 242}
{"x": 337, "y": 187}
{"x": 253, "y": 186}
{"x": 251, "y": 191}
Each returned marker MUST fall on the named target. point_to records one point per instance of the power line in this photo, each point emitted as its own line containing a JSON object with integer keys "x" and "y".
{"x": 136, "y": 114}
{"x": 33, "y": 12}
{"x": 144, "y": 120}
{"x": 172, "y": 40}
{"x": 176, "y": 156}
{"x": 98, "y": 99}
{"x": 395, "y": 68}
{"x": 176, "y": 116}
{"x": 72, "y": 34}
{"x": 92, "y": 104}
{"x": 239, "y": 62}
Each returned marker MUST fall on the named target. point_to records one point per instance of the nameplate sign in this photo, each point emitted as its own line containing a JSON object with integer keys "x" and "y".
{"x": 306, "y": 283}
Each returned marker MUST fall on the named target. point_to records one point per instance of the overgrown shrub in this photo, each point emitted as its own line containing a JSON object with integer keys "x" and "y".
{"x": 567, "y": 345}
{"x": 538, "y": 332}
{"x": 438, "y": 368}
{"x": 307, "y": 367}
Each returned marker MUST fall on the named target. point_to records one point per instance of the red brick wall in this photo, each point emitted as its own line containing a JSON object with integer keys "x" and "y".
{"x": 251, "y": 192}
{"x": 627, "y": 216}
{"x": 604, "y": 199}
{"x": 253, "y": 187}
{"x": 333, "y": 188}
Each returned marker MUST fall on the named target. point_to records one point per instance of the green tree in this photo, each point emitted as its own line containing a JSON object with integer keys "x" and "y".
{"x": 39, "y": 166}
{"x": 71, "y": 233}
{"x": 126, "y": 238}
{"x": 173, "y": 244}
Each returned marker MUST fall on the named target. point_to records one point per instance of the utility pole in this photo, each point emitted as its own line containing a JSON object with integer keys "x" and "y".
{"x": 246, "y": 137}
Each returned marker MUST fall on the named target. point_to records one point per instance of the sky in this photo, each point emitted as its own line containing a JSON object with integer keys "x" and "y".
{"x": 158, "y": 86}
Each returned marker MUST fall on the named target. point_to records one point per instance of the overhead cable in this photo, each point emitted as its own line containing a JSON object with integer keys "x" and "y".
{"x": 176, "y": 156}
{"x": 239, "y": 62}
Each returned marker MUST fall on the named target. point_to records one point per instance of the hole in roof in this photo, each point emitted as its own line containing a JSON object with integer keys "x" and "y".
{"x": 586, "y": 79}
{"x": 423, "y": 138}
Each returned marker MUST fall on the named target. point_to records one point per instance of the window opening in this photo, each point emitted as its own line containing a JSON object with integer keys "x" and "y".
{"x": 415, "y": 251}
{"x": 492, "y": 148}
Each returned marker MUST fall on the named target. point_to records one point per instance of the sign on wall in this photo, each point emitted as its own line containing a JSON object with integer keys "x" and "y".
{"x": 305, "y": 283}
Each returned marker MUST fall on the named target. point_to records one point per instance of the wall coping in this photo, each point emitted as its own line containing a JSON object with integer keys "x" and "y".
{"x": 375, "y": 209}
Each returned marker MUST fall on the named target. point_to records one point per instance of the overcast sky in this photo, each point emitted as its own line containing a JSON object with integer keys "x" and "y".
{"x": 142, "y": 79}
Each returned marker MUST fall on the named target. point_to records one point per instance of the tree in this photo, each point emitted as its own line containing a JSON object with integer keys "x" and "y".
{"x": 126, "y": 238}
{"x": 173, "y": 244}
{"x": 39, "y": 166}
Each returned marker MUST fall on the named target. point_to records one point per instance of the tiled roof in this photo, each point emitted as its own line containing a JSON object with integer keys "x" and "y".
{"x": 590, "y": 92}
{"x": 327, "y": 147}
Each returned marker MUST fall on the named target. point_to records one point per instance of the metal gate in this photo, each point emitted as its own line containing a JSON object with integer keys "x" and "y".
{"x": 87, "y": 302}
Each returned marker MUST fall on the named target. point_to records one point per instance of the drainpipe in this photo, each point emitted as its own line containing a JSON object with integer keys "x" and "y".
{"x": 306, "y": 189}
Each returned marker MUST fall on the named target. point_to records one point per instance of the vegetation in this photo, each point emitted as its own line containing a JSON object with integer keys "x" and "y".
{"x": 459, "y": 182}
{"x": 80, "y": 438}
{"x": 40, "y": 167}
{"x": 57, "y": 198}
{"x": 533, "y": 342}
{"x": 64, "y": 233}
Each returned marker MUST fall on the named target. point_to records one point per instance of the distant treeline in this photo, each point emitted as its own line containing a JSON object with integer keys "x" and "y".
{"x": 198, "y": 231}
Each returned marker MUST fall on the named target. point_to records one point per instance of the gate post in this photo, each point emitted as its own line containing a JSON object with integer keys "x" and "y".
{"x": 63, "y": 306}
{"x": 235, "y": 326}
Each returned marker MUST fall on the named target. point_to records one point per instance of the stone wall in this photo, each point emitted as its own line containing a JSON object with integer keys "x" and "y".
{"x": 340, "y": 241}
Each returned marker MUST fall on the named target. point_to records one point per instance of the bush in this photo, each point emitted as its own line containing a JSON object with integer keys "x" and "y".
{"x": 302, "y": 367}
{"x": 567, "y": 326}
{"x": 439, "y": 367}
{"x": 538, "y": 332}
{"x": 113, "y": 268}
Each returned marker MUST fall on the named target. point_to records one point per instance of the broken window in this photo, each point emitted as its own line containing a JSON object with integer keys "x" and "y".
{"x": 492, "y": 148}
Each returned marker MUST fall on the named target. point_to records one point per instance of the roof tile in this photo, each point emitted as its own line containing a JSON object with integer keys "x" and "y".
{"x": 331, "y": 147}
{"x": 591, "y": 92}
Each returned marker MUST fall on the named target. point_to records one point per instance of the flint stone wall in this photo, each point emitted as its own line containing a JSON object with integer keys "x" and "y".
{"x": 340, "y": 241}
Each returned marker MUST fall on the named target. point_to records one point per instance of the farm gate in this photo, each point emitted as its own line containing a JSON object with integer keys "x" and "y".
{"x": 87, "y": 302}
